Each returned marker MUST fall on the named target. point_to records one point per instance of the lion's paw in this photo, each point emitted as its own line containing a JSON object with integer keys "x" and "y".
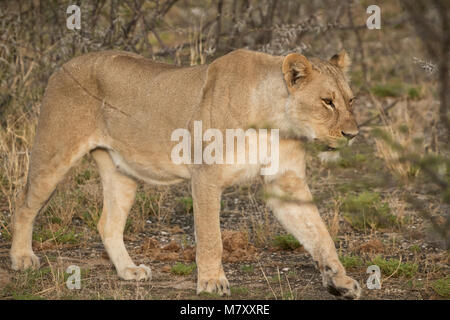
{"x": 219, "y": 286}
{"x": 24, "y": 261}
{"x": 344, "y": 287}
{"x": 140, "y": 273}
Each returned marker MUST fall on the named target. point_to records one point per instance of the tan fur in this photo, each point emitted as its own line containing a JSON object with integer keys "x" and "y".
{"x": 123, "y": 108}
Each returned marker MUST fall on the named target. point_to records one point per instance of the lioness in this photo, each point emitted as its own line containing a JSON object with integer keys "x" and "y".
{"x": 122, "y": 108}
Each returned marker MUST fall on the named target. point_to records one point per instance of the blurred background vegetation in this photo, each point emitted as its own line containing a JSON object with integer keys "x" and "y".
{"x": 400, "y": 75}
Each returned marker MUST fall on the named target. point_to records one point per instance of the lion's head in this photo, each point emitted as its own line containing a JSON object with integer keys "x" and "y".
{"x": 320, "y": 103}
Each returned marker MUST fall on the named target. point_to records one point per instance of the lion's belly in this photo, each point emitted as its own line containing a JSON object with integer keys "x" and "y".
{"x": 149, "y": 168}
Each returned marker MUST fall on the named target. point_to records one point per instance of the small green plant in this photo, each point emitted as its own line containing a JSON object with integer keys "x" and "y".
{"x": 27, "y": 297}
{"x": 90, "y": 218}
{"x": 394, "y": 267}
{"x": 142, "y": 201}
{"x": 148, "y": 204}
{"x": 349, "y": 158}
{"x": 288, "y": 296}
{"x": 392, "y": 89}
{"x": 24, "y": 286}
{"x": 59, "y": 236}
{"x": 187, "y": 203}
{"x": 286, "y": 242}
{"x": 209, "y": 295}
{"x": 82, "y": 177}
{"x": 351, "y": 261}
{"x": 414, "y": 284}
{"x": 274, "y": 279}
{"x": 442, "y": 287}
{"x": 239, "y": 291}
{"x": 366, "y": 210}
{"x": 414, "y": 93}
{"x": 248, "y": 268}
{"x": 182, "y": 269}
{"x": 87, "y": 209}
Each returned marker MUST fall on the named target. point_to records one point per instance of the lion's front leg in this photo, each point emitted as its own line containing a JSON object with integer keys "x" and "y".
{"x": 290, "y": 199}
{"x": 206, "y": 201}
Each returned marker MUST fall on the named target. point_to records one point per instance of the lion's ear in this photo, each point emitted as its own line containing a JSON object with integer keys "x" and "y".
{"x": 342, "y": 61}
{"x": 295, "y": 69}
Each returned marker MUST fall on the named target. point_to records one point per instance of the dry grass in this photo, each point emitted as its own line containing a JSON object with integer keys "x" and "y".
{"x": 412, "y": 126}
{"x": 16, "y": 136}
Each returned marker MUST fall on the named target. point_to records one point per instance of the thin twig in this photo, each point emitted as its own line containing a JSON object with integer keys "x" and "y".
{"x": 390, "y": 106}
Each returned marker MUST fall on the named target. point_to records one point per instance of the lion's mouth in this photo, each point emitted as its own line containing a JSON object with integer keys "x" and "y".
{"x": 329, "y": 148}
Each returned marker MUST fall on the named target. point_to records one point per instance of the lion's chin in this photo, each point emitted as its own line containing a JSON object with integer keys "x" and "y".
{"x": 327, "y": 144}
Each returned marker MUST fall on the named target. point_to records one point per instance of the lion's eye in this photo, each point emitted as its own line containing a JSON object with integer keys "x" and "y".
{"x": 329, "y": 102}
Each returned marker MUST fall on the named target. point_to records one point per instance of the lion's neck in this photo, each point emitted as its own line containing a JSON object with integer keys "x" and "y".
{"x": 270, "y": 102}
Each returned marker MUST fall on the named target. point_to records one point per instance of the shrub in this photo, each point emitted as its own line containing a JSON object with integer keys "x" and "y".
{"x": 442, "y": 287}
{"x": 351, "y": 261}
{"x": 182, "y": 269}
{"x": 366, "y": 210}
{"x": 286, "y": 242}
{"x": 394, "y": 89}
{"x": 401, "y": 269}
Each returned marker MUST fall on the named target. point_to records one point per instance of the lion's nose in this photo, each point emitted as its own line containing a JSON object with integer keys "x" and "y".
{"x": 349, "y": 135}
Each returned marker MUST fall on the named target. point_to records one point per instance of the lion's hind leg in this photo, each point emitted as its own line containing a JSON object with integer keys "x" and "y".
{"x": 119, "y": 192}
{"x": 47, "y": 168}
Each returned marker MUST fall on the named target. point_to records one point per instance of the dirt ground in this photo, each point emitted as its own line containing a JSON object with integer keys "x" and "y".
{"x": 254, "y": 273}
